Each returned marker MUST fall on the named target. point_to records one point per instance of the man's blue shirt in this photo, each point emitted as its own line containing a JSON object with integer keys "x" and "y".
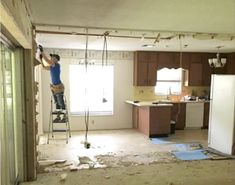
{"x": 55, "y": 74}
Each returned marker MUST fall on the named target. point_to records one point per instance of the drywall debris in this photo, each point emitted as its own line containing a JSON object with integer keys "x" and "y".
{"x": 63, "y": 177}
{"x": 107, "y": 177}
{"x": 50, "y": 162}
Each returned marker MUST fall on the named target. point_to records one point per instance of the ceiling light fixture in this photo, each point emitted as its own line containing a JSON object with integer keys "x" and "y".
{"x": 217, "y": 62}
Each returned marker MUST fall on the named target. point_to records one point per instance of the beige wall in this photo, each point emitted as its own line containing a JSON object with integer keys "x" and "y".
{"x": 123, "y": 88}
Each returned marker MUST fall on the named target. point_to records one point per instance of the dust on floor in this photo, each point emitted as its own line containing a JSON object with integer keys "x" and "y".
{"x": 127, "y": 157}
{"x": 113, "y": 148}
{"x": 177, "y": 173}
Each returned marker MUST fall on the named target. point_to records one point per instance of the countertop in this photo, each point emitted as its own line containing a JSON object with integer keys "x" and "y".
{"x": 161, "y": 103}
{"x": 149, "y": 103}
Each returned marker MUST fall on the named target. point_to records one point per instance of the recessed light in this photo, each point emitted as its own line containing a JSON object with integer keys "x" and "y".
{"x": 148, "y": 45}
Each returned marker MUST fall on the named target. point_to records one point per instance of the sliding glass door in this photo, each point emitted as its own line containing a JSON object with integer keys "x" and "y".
{"x": 7, "y": 130}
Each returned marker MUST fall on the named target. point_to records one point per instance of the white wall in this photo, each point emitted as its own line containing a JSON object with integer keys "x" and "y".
{"x": 123, "y": 89}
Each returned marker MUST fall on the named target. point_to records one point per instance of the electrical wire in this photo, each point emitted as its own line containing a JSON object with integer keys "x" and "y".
{"x": 105, "y": 50}
{"x": 180, "y": 66}
{"x": 87, "y": 113}
{"x": 105, "y": 59}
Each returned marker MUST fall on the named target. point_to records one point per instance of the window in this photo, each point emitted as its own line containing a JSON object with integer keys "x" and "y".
{"x": 169, "y": 81}
{"x": 93, "y": 88}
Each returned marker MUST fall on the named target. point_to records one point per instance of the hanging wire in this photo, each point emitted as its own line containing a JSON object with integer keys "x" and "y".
{"x": 181, "y": 48}
{"x": 180, "y": 66}
{"x": 86, "y": 50}
{"x": 105, "y": 60}
{"x": 105, "y": 50}
{"x": 87, "y": 113}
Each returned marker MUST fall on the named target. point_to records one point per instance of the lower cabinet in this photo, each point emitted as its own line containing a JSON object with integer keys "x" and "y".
{"x": 206, "y": 115}
{"x": 154, "y": 121}
{"x": 178, "y": 114}
{"x": 135, "y": 116}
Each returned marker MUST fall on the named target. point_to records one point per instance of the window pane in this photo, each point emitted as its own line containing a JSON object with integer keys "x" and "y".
{"x": 169, "y": 74}
{"x": 93, "y": 88}
{"x": 167, "y": 88}
{"x": 169, "y": 81}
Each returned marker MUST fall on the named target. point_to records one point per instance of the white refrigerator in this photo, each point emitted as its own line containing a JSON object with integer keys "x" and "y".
{"x": 221, "y": 135}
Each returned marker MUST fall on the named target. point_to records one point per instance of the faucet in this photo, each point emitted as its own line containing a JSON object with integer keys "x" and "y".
{"x": 168, "y": 94}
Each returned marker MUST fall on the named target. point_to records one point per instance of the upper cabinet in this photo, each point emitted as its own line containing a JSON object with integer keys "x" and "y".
{"x": 145, "y": 68}
{"x": 147, "y": 63}
{"x": 230, "y": 65}
{"x": 207, "y": 70}
{"x": 195, "y": 70}
{"x": 166, "y": 59}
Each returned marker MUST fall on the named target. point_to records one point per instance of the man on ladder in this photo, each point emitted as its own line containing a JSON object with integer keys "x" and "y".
{"x": 57, "y": 86}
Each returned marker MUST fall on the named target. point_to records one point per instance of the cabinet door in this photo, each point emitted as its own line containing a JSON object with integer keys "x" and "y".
{"x": 152, "y": 73}
{"x": 206, "y": 114}
{"x": 207, "y": 70}
{"x": 195, "y": 74}
{"x": 184, "y": 63}
{"x": 142, "y": 56}
{"x": 178, "y": 115}
{"x": 135, "y": 116}
{"x": 142, "y": 73}
{"x": 160, "y": 120}
{"x": 145, "y": 68}
{"x": 230, "y": 65}
{"x": 166, "y": 59}
{"x": 195, "y": 58}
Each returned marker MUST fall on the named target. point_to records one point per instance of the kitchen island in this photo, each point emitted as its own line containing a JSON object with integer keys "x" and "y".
{"x": 152, "y": 119}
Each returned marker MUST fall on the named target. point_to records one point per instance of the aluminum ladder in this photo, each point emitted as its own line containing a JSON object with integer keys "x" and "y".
{"x": 65, "y": 121}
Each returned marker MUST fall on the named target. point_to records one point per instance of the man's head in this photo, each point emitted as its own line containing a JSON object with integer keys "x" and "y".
{"x": 55, "y": 57}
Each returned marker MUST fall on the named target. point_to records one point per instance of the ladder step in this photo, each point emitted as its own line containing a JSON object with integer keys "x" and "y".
{"x": 60, "y": 130}
{"x": 60, "y": 120}
{"x": 58, "y": 112}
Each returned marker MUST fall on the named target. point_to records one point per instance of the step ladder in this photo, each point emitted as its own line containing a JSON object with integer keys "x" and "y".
{"x": 64, "y": 121}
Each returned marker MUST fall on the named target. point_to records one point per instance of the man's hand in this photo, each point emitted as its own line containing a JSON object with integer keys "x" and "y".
{"x": 40, "y": 48}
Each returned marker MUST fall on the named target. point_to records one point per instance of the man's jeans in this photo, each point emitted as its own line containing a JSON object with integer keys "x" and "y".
{"x": 59, "y": 100}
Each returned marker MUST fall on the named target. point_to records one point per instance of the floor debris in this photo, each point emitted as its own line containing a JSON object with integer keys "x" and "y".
{"x": 63, "y": 177}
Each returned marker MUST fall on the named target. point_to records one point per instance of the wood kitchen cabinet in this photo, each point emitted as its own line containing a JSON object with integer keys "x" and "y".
{"x": 167, "y": 59}
{"x": 206, "y": 115}
{"x": 154, "y": 121}
{"x": 145, "y": 68}
{"x": 230, "y": 65}
{"x": 178, "y": 114}
{"x": 207, "y": 70}
{"x": 135, "y": 116}
{"x": 185, "y": 60}
{"x": 147, "y": 63}
{"x": 195, "y": 70}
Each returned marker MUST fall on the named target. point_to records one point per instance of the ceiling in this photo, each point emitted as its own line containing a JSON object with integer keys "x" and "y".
{"x": 136, "y": 18}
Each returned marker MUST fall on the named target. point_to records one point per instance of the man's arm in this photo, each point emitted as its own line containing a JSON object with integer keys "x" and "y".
{"x": 48, "y": 61}
{"x": 44, "y": 67}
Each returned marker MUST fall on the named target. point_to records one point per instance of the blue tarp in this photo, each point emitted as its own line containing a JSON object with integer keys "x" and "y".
{"x": 190, "y": 155}
{"x": 159, "y": 141}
